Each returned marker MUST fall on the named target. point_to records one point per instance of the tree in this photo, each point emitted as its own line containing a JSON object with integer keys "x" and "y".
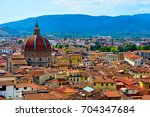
{"x": 133, "y": 47}
{"x": 139, "y": 47}
{"x": 114, "y": 49}
{"x": 20, "y": 42}
{"x": 105, "y": 49}
{"x": 120, "y": 48}
{"x": 146, "y": 47}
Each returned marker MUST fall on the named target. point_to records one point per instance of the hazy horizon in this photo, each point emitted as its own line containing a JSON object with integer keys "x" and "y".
{"x": 14, "y": 10}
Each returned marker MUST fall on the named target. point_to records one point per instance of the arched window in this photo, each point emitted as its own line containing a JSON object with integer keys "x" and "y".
{"x": 40, "y": 59}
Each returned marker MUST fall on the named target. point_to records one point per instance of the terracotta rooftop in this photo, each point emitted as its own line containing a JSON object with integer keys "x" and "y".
{"x": 19, "y": 75}
{"x": 120, "y": 83}
{"x": 26, "y": 67}
{"x": 66, "y": 89}
{"x": 73, "y": 71}
{"x": 19, "y": 62}
{"x": 97, "y": 53}
{"x": 37, "y": 73}
{"x": 57, "y": 80}
{"x": 16, "y": 56}
{"x": 133, "y": 87}
{"x": 101, "y": 80}
{"x": 146, "y": 97}
{"x": 125, "y": 81}
{"x": 34, "y": 86}
{"x": 53, "y": 95}
{"x": 140, "y": 70}
{"x": 112, "y": 94}
{"x": 28, "y": 76}
{"x": 93, "y": 73}
{"x": 136, "y": 97}
{"x": 17, "y": 70}
{"x": 6, "y": 83}
{"x": 132, "y": 56}
{"x": 81, "y": 85}
{"x": 146, "y": 80}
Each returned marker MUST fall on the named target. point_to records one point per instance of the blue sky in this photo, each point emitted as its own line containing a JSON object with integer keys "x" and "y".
{"x": 12, "y": 10}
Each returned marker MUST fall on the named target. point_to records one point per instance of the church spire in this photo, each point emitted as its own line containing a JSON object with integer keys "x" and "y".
{"x": 36, "y": 29}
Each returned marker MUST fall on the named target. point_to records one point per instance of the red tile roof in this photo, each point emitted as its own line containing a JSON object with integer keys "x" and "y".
{"x": 66, "y": 89}
{"x": 53, "y": 95}
{"x": 37, "y": 73}
{"x": 101, "y": 80}
{"x": 19, "y": 62}
{"x": 6, "y": 83}
{"x": 125, "y": 81}
{"x": 17, "y": 56}
{"x": 146, "y": 97}
{"x": 112, "y": 94}
{"x": 34, "y": 86}
{"x": 137, "y": 70}
{"x": 146, "y": 80}
{"x": 132, "y": 56}
{"x": 36, "y": 42}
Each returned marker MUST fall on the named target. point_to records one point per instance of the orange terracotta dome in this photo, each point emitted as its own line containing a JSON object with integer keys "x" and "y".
{"x": 36, "y": 42}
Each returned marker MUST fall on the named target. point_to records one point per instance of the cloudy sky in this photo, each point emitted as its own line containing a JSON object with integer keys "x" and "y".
{"x": 11, "y": 10}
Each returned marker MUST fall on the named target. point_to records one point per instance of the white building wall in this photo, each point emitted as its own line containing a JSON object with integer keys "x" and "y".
{"x": 133, "y": 62}
{"x": 12, "y": 93}
{"x": 9, "y": 93}
{"x": 18, "y": 93}
{"x": 132, "y": 91}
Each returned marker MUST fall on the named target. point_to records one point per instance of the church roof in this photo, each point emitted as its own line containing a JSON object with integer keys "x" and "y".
{"x": 36, "y": 42}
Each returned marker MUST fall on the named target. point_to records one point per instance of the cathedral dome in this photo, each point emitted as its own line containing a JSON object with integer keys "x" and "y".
{"x": 36, "y": 42}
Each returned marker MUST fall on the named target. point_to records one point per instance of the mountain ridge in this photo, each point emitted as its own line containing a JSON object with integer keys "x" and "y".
{"x": 79, "y": 23}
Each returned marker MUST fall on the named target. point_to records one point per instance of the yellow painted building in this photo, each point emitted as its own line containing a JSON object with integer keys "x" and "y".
{"x": 61, "y": 61}
{"x": 140, "y": 72}
{"x": 145, "y": 83}
{"x": 73, "y": 50}
{"x": 93, "y": 55}
{"x": 105, "y": 85}
{"x": 76, "y": 76}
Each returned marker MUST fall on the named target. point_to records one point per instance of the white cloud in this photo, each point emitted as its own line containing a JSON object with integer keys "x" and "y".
{"x": 99, "y": 7}
{"x": 19, "y": 9}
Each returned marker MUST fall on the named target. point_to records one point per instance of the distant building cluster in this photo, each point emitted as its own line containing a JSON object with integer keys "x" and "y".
{"x": 66, "y": 69}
